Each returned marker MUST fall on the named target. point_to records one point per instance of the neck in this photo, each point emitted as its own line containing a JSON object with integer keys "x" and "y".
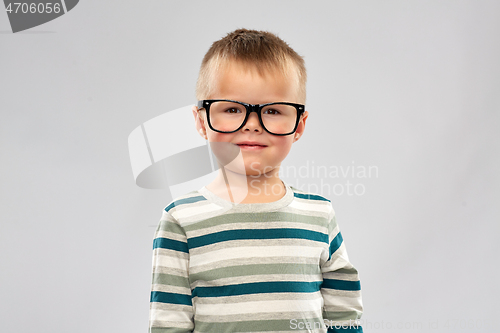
{"x": 241, "y": 188}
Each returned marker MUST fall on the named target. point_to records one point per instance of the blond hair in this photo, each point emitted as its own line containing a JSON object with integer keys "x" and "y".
{"x": 262, "y": 50}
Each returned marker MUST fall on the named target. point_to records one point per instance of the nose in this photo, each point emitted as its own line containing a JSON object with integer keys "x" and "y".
{"x": 252, "y": 123}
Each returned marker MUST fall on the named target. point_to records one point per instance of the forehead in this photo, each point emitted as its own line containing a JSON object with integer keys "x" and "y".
{"x": 254, "y": 84}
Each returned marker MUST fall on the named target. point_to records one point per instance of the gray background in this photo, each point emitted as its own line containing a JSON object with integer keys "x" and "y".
{"x": 411, "y": 87}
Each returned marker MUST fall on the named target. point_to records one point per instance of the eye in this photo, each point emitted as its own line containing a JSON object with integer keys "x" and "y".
{"x": 272, "y": 111}
{"x": 233, "y": 110}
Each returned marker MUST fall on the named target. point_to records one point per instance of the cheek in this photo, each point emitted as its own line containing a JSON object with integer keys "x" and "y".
{"x": 218, "y": 137}
{"x": 284, "y": 145}
{"x": 221, "y": 146}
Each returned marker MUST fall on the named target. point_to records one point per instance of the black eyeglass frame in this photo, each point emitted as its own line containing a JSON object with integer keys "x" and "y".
{"x": 206, "y": 103}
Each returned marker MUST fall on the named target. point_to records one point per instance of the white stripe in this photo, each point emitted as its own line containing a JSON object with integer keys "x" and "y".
{"x": 302, "y": 205}
{"x": 339, "y": 303}
{"x": 170, "y": 318}
{"x": 253, "y": 251}
{"x": 171, "y": 289}
{"x": 187, "y": 211}
{"x": 334, "y": 233}
{"x": 259, "y": 306}
{"x": 169, "y": 262}
{"x": 338, "y": 260}
{"x": 170, "y": 235}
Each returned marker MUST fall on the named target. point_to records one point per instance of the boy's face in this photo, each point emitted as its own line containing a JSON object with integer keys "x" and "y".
{"x": 244, "y": 84}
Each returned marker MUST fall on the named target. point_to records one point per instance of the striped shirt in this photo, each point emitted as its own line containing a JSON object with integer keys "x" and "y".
{"x": 260, "y": 267}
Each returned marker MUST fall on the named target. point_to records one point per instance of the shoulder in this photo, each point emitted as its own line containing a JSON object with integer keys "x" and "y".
{"x": 313, "y": 203}
{"x": 308, "y": 195}
{"x": 184, "y": 201}
{"x": 184, "y": 205}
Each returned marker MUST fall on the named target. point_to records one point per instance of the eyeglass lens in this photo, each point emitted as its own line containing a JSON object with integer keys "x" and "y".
{"x": 229, "y": 116}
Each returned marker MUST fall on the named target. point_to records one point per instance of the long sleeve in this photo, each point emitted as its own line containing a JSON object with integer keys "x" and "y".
{"x": 171, "y": 308}
{"x": 341, "y": 288}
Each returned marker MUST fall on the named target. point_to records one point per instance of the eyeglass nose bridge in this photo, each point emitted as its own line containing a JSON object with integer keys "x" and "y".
{"x": 253, "y": 108}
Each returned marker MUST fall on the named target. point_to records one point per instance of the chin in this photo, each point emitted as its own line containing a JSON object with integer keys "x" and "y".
{"x": 257, "y": 169}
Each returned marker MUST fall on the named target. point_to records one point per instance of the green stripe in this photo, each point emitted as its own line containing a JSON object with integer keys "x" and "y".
{"x": 185, "y": 201}
{"x": 172, "y": 298}
{"x": 170, "y": 244}
{"x": 310, "y": 197}
{"x": 228, "y": 235}
{"x": 255, "y": 269}
{"x": 256, "y": 217}
{"x": 335, "y": 244}
{"x": 341, "y": 284}
{"x": 351, "y": 329}
{"x": 168, "y": 329}
{"x": 340, "y": 316}
{"x": 170, "y": 280}
{"x": 351, "y": 270}
{"x": 171, "y": 227}
{"x": 257, "y": 288}
{"x": 332, "y": 225}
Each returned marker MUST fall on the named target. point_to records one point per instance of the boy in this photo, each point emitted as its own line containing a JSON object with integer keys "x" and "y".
{"x": 249, "y": 253}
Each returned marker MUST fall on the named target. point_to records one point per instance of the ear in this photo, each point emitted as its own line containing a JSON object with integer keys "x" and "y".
{"x": 199, "y": 121}
{"x": 301, "y": 126}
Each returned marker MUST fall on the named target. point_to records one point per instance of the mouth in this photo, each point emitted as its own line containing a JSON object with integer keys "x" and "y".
{"x": 251, "y": 145}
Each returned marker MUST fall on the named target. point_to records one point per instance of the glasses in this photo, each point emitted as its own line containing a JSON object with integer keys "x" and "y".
{"x": 227, "y": 116}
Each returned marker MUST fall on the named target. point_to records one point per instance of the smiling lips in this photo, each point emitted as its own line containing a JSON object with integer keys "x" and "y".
{"x": 251, "y": 145}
